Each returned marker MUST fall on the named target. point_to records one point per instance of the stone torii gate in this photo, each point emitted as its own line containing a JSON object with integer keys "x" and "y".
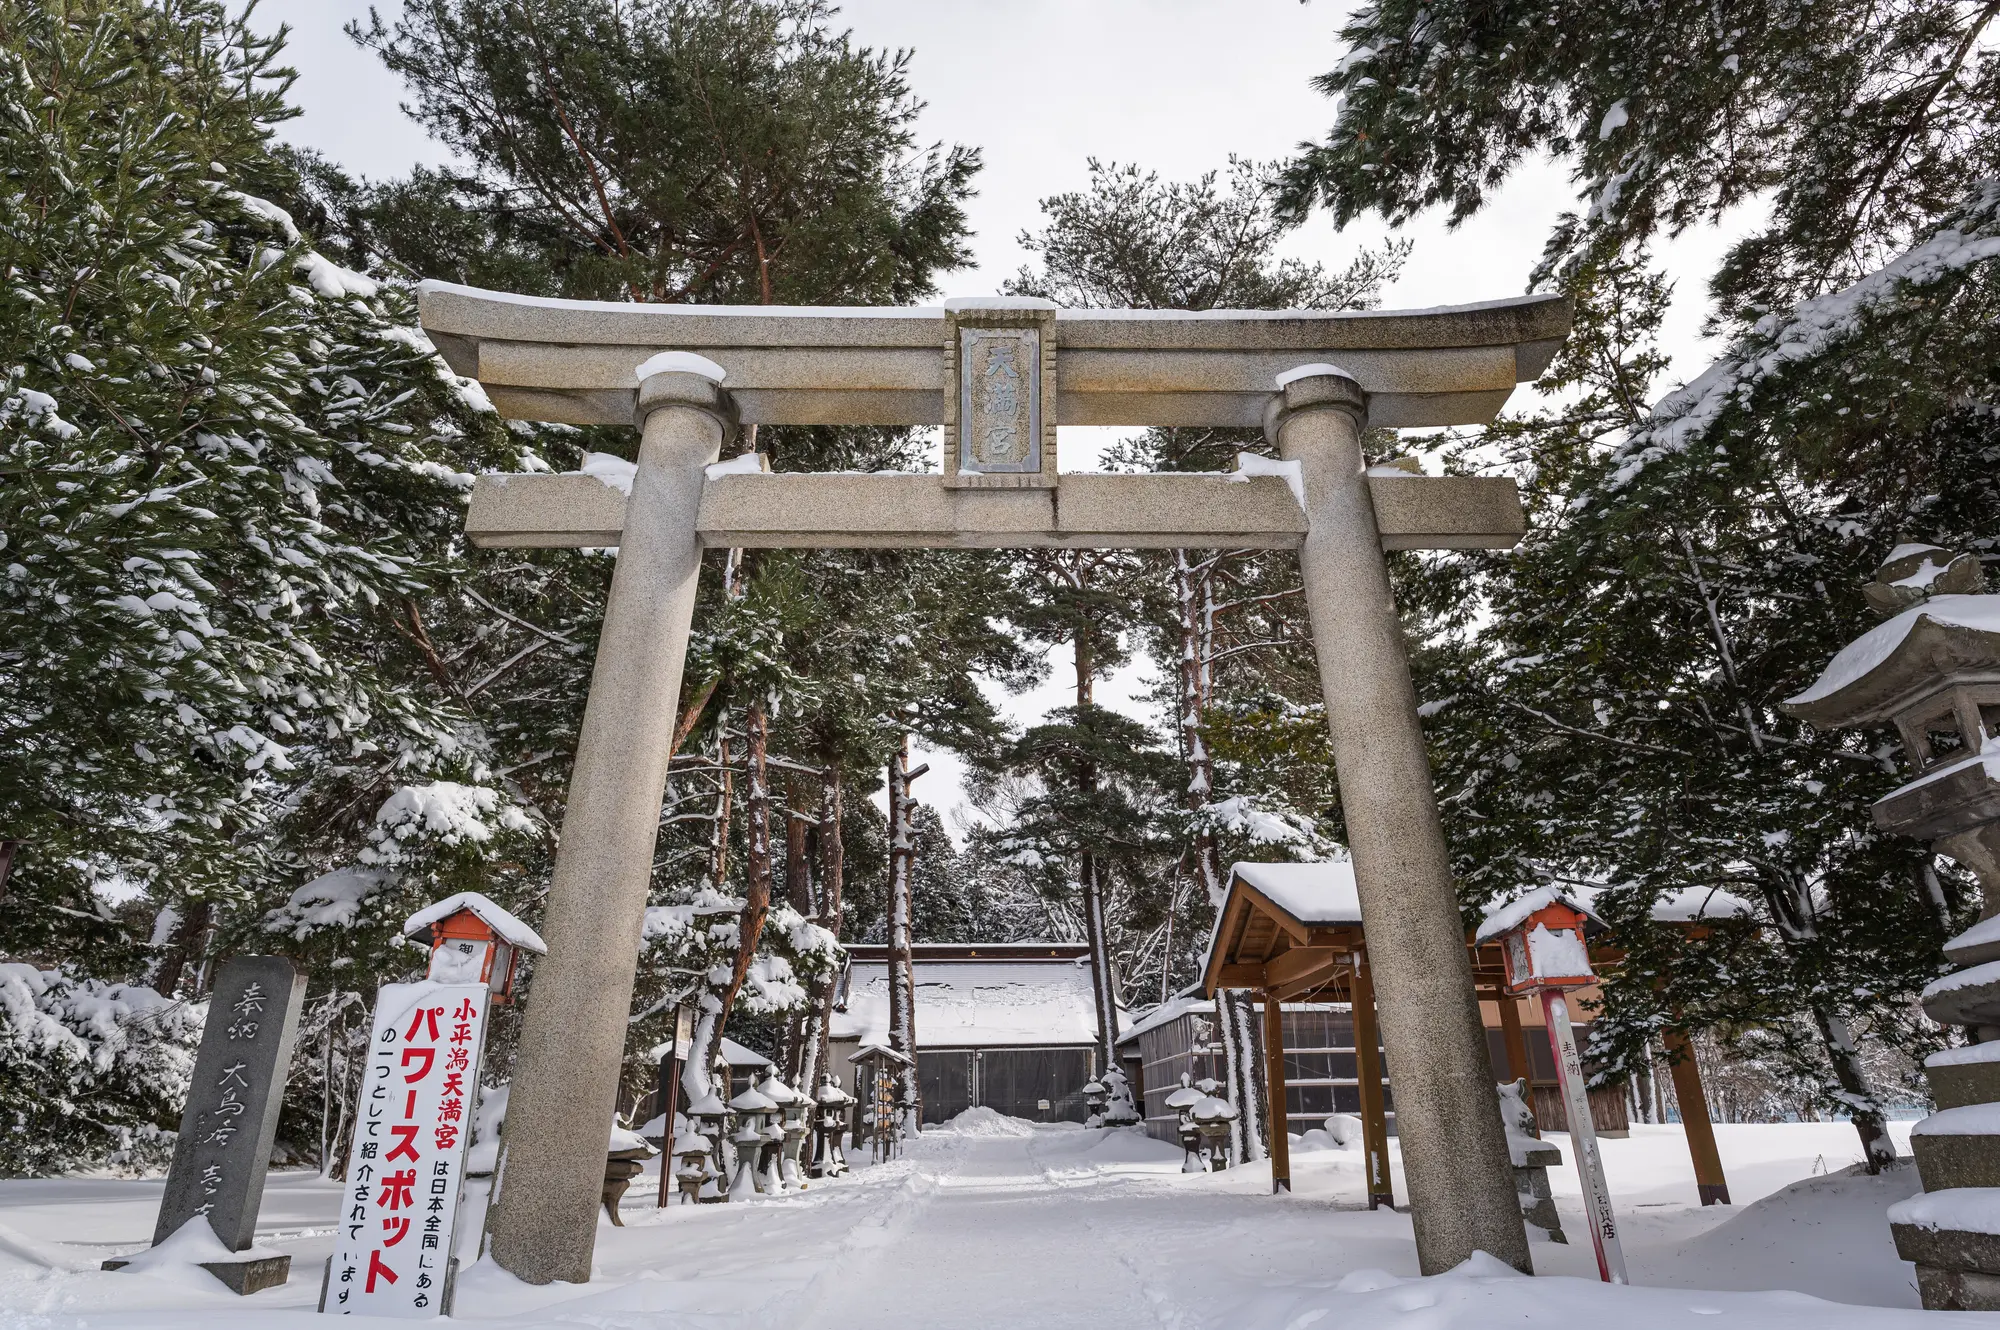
{"x": 999, "y": 376}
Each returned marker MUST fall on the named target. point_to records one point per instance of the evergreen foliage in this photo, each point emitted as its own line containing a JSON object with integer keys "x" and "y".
{"x": 1612, "y": 718}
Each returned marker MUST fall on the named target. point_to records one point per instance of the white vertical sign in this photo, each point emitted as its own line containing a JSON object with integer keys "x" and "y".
{"x": 1583, "y": 1139}
{"x": 393, "y": 1253}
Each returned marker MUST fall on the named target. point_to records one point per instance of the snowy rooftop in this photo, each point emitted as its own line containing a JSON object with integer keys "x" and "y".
{"x": 976, "y": 1003}
{"x": 1861, "y": 681}
{"x": 1321, "y": 894}
{"x": 500, "y": 921}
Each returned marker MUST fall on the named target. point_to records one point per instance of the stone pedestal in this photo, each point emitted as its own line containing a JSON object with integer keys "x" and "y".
{"x": 243, "y": 1277}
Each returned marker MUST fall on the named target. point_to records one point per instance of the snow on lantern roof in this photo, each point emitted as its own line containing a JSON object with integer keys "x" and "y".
{"x": 1876, "y": 671}
{"x": 1505, "y": 918}
{"x": 509, "y": 928}
{"x": 872, "y": 1050}
{"x": 996, "y": 1003}
{"x": 1316, "y": 894}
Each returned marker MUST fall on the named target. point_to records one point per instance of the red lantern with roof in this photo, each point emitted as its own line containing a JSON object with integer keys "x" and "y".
{"x": 474, "y": 941}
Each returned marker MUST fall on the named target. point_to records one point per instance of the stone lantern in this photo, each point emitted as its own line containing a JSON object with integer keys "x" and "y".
{"x": 708, "y": 1117}
{"x": 830, "y": 1109}
{"x": 1932, "y": 670}
{"x": 1182, "y": 1101}
{"x": 753, "y": 1112}
{"x": 1096, "y": 1098}
{"x": 1212, "y": 1116}
{"x": 776, "y": 1170}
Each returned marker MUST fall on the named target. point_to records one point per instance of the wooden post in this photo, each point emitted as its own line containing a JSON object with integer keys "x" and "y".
{"x": 1368, "y": 1069}
{"x": 1274, "y": 1062}
{"x": 1518, "y": 1066}
{"x": 1708, "y": 1179}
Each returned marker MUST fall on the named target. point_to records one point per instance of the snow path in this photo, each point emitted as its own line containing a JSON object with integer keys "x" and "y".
{"x": 994, "y": 1222}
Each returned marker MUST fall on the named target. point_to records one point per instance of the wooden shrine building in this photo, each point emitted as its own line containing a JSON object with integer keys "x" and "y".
{"x": 1292, "y": 933}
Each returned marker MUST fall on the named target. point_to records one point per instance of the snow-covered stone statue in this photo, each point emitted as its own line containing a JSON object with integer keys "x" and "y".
{"x": 1932, "y": 670}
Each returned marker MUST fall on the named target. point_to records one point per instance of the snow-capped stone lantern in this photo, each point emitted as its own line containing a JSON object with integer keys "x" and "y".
{"x": 1541, "y": 937}
{"x": 1182, "y": 1101}
{"x": 1212, "y": 1116}
{"x": 777, "y": 1169}
{"x": 831, "y": 1106}
{"x": 1096, "y": 1099}
{"x": 753, "y": 1110}
{"x": 474, "y": 941}
{"x": 1932, "y": 670}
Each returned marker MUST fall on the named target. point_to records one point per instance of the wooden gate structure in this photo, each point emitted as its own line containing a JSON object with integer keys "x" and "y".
{"x": 999, "y": 376}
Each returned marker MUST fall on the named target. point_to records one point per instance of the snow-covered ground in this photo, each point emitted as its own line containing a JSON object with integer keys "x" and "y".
{"x": 994, "y": 1222}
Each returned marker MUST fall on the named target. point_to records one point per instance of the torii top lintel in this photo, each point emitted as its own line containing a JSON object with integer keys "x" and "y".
{"x": 572, "y": 361}
{"x": 576, "y": 362}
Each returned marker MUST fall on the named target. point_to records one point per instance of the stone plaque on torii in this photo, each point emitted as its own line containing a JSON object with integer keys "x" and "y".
{"x": 999, "y": 375}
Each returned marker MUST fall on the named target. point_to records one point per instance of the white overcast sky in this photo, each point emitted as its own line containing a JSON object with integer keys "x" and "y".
{"x": 1041, "y": 86}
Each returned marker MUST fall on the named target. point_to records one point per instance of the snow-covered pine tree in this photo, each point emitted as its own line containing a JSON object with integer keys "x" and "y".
{"x": 1704, "y": 554}
{"x": 230, "y": 471}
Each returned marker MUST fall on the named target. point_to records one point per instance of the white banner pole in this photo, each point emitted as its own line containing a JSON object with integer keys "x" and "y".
{"x": 1583, "y": 1139}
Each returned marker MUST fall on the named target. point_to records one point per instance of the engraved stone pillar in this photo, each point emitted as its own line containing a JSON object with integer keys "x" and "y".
{"x": 551, "y": 1173}
{"x": 1454, "y": 1151}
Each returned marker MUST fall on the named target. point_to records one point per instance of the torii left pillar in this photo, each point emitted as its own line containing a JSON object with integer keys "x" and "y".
{"x": 572, "y": 1036}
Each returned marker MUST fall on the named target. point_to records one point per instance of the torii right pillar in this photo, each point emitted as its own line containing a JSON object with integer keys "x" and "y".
{"x": 1455, "y": 1161}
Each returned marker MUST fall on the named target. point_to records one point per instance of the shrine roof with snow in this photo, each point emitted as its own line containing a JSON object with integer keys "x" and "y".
{"x": 1009, "y": 995}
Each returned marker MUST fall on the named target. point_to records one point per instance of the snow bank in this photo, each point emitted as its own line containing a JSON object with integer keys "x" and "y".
{"x": 984, "y": 1121}
{"x": 500, "y": 921}
{"x": 181, "y": 1257}
{"x": 1255, "y": 464}
{"x": 681, "y": 362}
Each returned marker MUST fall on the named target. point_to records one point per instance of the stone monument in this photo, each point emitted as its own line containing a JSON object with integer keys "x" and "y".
{"x": 1932, "y": 670}
{"x": 999, "y": 375}
{"x": 231, "y": 1120}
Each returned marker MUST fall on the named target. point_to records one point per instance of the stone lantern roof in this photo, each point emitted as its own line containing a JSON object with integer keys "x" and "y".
{"x": 1933, "y": 671}
{"x": 1904, "y": 662}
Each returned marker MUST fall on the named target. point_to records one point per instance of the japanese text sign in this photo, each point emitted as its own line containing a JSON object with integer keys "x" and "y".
{"x": 392, "y": 1255}
{"x": 231, "y": 1119}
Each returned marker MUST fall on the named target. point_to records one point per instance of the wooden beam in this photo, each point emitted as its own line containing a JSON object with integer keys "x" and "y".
{"x": 1274, "y": 1062}
{"x": 1708, "y": 1179}
{"x": 1368, "y": 1070}
{"x": 1301, "y": 969}
{"x": 1237, "y": 976}
{"x": 803, "y": 510}
{"x": 1518, "y": 1066}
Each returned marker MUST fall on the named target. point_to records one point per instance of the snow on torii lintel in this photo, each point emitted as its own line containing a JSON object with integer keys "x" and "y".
{"x": 510, "y": 929}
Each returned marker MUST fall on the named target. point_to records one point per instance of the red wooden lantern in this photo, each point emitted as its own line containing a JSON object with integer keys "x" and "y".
{"x": 1546, "y": 949}
{"x": 474, "y": 941}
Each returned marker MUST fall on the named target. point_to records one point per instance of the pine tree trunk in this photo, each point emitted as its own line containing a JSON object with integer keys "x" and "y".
{"x": 832, "y": 866}
{"x": 1249, "y": 1134}
{"x": 799, "y": 892}
{"x": 185, "y": 948}
{"x": 1103, "y": 978}
{"x": 1877, "y": 1150}
{"x": 756, "y": 885}
{"x": 902, "y": 982}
